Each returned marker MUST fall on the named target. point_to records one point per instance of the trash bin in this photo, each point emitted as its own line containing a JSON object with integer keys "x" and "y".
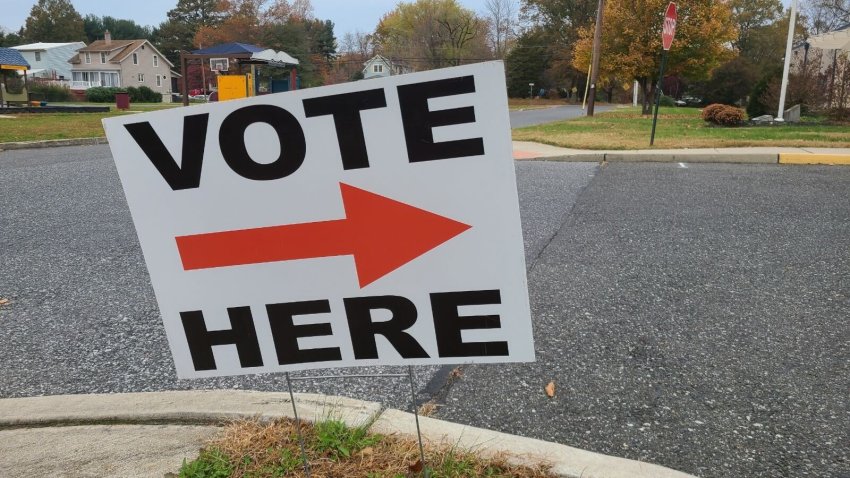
{"x": 122, "y": 101}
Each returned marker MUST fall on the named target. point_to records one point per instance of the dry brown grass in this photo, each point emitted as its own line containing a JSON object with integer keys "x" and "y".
{"x": 257, "y": 449}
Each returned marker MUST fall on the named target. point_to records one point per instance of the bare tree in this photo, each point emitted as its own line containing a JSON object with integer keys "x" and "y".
{"x": 826, "y": 15}
{"x": 502, "y": 19}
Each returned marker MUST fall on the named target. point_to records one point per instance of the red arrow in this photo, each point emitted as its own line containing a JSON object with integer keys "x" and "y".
{"x": 381, "y": 233}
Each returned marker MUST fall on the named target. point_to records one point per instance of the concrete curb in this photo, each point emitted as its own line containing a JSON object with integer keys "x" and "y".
{"x": 566, "y": 461}
{"x": 53, "y": 143}
{"x": 180, "y": 407}
{"x": 831, "y": 159}
{"x": 216, "y": 406}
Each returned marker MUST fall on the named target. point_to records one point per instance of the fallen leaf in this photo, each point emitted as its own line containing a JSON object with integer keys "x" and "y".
{"x": 415, "y": 467}
{"x": 4, "y": 301}
{"x": 367, "y": 451}
{"x": 550, "y": 389}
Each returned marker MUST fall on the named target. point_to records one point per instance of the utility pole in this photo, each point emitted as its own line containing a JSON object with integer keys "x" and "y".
{"x": 594, "y": 62}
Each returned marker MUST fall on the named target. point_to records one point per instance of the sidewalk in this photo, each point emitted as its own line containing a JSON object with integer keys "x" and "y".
{"x": 149, "y": 434}
{"x": 524, "y": 150}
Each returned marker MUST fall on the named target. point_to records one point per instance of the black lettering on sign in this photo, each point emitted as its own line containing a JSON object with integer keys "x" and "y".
{"x": 188, "y": 174}
{"x": 242, "y": 334}
{"x": 285, "y": 333}
{"x": 231, "y": 139}
{"x": 363, "y": 329}
{"x": 448, "y": 324}
{"x": 418, "y": 120}
{"x": 346, "y": 109}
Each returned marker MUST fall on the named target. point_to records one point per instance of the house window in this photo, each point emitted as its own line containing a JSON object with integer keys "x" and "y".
{"x": 158, "y": 80}
{"x": 378, "y": 68}
{"x": 141, "y": 77}
{"x": 102, "y": 57}
{"x": 155, "y": 60}
{"x": 135, "y": 59}
{"x": 38, "y": 56}
{"x": 88, "y": 57}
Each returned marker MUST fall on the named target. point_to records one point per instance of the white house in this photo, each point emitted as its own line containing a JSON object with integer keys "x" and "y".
{"x": 49, "y": 60}
{"x": 379, "y": 66}
{"x": 121, "y": 63}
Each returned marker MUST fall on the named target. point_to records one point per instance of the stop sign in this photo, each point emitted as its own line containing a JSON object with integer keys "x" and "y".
{"x": 669, "y": 30}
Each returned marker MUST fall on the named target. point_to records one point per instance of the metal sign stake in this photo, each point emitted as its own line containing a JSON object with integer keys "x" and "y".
{"x": 298, "y": 427}
{"x": 416, "y": 415}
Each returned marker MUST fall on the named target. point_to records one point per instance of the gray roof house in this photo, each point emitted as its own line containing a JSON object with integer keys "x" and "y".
{"x": 379, "y": 66}
{"x": 121, "y": 63}
{"x": 49, "y": 60}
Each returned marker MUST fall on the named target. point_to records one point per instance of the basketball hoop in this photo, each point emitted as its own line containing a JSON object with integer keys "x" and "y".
{"x": 219, "y": 65}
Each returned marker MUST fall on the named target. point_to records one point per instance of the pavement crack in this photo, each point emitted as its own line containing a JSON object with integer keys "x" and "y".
{"x": 567, "y": 219}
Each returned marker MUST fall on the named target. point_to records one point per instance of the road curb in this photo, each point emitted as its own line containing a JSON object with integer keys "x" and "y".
{"x": 649, "y": 157}
{"x": 52, "y": 143}
{"x": 814, "y": 158}
{"x": 178, "y": 407}
{"x": 567, "y": 462}
{"x": 217, "y": 406}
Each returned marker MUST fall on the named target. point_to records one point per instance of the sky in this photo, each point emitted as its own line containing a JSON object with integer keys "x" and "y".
{"x": 347, "y": 15}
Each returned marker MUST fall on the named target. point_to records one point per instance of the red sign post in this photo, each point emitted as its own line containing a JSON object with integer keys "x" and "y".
{"x": 668, "y": 31}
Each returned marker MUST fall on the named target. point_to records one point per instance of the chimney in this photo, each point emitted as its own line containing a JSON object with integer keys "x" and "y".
{"x": 107, "y": 37}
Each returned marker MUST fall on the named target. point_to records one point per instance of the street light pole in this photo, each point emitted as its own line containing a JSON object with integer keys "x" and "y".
{"x": 594, "y": 63}
{"x": 787, "y": 66}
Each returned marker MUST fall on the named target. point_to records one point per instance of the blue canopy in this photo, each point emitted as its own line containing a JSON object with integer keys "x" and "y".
{"x": 11, "y": 59}
{"x": 229, "y": 49}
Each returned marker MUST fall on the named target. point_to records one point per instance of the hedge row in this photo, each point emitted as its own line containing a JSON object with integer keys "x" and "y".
{"x": 142, "y": 94}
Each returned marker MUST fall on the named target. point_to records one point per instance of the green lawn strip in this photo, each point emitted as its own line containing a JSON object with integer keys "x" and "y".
{"x": 46, "y": 126}
{"x": 626, "y": 128}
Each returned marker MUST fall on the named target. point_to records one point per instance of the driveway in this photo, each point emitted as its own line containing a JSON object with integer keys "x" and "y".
{"x": 547, "y": 115}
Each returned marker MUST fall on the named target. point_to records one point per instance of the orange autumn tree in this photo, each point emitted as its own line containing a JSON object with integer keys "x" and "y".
{"x": 631, "y": 41}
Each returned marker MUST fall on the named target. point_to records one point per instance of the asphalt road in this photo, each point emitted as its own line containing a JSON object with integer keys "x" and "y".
{"x": 547, "y": 115}
{"x": 692, "y": 317}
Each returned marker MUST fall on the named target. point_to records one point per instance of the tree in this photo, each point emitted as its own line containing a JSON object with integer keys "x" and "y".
{"x": 631, "y": 41}
{"x": 826, "y": 15}
{"x": 527, "y": 64}
{"x": 502, "y": 22}
{"x": 437, "y": 33}
{"x": 178, "y": 32}
{"x": 559, "y": 22}
{"x": 8, "y": 38}
{"x": 119, "y": 29}
{"x": 750, "y": 15}
{"x": 731, "y": 82}
{"x": 53, "y": 21}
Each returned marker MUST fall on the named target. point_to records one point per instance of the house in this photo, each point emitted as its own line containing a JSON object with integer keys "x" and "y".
{"x": 379, "y": 67}
{"x": 49, "y": 60}
{"x": 121, "y": 63}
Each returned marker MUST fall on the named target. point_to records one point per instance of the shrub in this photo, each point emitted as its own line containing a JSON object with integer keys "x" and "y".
{"x": 666, "y": 101}
{"x": 729, "y": 116}
{"x": 147, "y": 95}
{"x": 710, "y": 111}
{"x": 723, "y": 115}
{"x": 102, "y": 94}
{"x": 51, "y": 92}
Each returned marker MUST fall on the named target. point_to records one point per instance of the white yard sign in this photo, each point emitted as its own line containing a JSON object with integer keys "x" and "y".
{"x": 369, "y": 223}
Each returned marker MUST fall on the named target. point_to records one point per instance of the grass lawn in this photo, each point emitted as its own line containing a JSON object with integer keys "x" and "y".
{"x": 41, "y": 126}
{"x": 258, "y": 450}
{"x": 625, "y": 128}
